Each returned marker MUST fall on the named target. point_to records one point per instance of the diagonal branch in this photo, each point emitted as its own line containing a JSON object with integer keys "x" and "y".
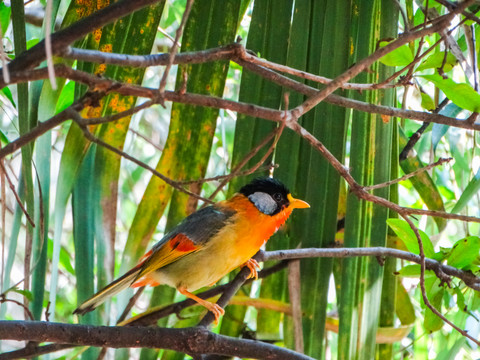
{"x": 369, "y": 60}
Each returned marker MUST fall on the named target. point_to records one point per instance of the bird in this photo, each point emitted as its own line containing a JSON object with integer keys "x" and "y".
{"x": 210, "y": 243}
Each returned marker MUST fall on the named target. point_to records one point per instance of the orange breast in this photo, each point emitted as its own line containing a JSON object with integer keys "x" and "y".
{"x": 254, "y": 228}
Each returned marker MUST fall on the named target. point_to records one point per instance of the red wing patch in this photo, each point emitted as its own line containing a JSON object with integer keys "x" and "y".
{"x": 155, "y": 259}
{"x": 182, "y": 243}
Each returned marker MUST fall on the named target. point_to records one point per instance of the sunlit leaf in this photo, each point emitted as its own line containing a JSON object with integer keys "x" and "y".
{"x": 27, "y": 294}
{"x": 5, "y": 12}
{"x": 435, "y": 61}
{"x": 4, "y": 137}
{"x": 413, "y": 271}
{"x": 406, "y": 234}
{"x": 461, "y": 94}
{"x": 32, "y": 42}
{"x": 66, "y": 97}
{"x": 6, "y": 91}
{"x": 427, "y": 102}
{"x": 464, "y": 252}
{"x": 399, "y": 57}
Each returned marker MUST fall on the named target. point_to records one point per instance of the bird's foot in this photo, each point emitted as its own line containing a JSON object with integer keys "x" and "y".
{"x": 252, "y": 265}
{"x": 215, "y": 309}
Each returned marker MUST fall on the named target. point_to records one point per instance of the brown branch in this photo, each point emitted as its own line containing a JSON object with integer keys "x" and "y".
{"x": 359, "y": 190}
{"x": 26, "y": 310}
{"x": 95, "y": 82}
{"x": 467, "y": 277}
{"x": 356, "y": 104}
{"x": 191, "y": 341}
{"x": 369, "y": 60}
{"x": 63, "y": 38}
{"x": 452, "y": 5}
{"x": 195, "y": 57}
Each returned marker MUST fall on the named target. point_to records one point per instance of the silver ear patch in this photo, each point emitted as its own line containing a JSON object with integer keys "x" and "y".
{"x": 263, "y": 202}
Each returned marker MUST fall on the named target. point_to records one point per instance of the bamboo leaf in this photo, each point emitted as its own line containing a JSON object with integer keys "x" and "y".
{"x": 268, "y": 36}
{"x": 470, "y": 191}
{"x": 24, "y": 126}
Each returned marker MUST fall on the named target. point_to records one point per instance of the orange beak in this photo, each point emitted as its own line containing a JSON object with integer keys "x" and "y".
{"x": 296, "y": 203}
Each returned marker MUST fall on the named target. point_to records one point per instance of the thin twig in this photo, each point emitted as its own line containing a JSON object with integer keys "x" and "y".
{"x": 229, "y": 176}
{"x": 79, "y": 120}
{"x": 408, "y": 176}
{"x": 173, "y": 50}
{"x": 130, "y": 304}
{"x": 26, "y": 310}
{"x": 17, "y": 198}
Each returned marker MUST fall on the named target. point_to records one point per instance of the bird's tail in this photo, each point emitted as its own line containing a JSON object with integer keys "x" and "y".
{"x": 111, "y": 289}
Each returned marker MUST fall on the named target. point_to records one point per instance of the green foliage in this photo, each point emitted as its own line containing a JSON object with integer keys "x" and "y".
{"x": 401, "y": 56}
{"x": 118, "y": 208}
{"x": 406, "y": 234}
{"x": 462, "y": 95}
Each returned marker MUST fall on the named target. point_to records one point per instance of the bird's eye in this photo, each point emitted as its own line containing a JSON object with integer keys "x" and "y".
{"x": 277, "y": 197}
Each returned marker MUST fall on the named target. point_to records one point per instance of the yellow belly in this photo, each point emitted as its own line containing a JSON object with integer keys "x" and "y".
{"x": 230, "y": 248}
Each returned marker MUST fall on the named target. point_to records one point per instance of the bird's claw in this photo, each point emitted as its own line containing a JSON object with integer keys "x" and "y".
{"x": 252, "y": 265}
{"x": 217, "y": 311}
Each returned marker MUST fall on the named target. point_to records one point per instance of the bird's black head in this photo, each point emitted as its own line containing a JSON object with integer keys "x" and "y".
{"x": 269, "y": 195}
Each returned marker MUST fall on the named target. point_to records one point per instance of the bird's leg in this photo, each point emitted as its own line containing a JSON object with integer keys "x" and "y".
{"x": 216, "y": 309}
{"x": 252, "y": 264}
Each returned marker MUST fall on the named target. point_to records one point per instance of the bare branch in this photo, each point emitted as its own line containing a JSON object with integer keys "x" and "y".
{"x": 467, "y": 277}
{"x": 195, "y": 57}
{"x": 63, "y": 38}
{"x": 355, "y": 104}
{"x": 369, "y": 60}
{"x": 191, "y": 341}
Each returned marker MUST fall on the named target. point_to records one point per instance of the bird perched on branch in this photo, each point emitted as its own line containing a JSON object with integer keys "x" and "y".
{"x": 210, "y": 243}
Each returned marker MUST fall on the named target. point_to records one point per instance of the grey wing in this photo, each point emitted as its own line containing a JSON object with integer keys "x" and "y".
{"x": 200, "y": 225}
